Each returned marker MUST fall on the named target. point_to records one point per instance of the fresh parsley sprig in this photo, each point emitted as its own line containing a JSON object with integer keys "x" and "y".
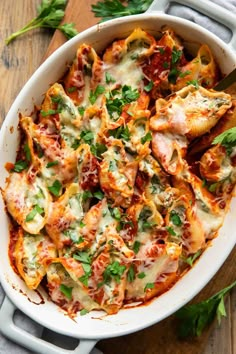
{"x": 226, "y": 139}
{"x": 49, "y": 15}
{"x": 108, "y": 9}
{"x": 196, "y": 317}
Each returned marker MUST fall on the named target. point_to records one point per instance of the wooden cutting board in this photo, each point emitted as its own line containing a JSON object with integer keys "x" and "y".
{"x": 160, "y": 338}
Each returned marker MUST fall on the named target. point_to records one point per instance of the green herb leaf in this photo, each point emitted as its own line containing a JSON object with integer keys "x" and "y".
{"x": 94, "y": 94}
{"x": 149, "y": 286}
{"x": 190, "y": 260}
{"x": 227, "y": 139}
{"x": 196, "y": 317}
{"x": 86, "y": 194}
{"x": 98, "y": 149}
{"x": 136, "y": 246}
{"x": 81, "y": 110}
{"x": 71, "y": 89}
{"x": 49, "y": 15}
{"x": 27, "y": 152}
{"x": 83, "y": 312}
{"x": 109, "y": 78}
{"x": 194, "y": 83}
{"x": 147, "y": 137}
{"x": 175, "y": 218}
{"x": 141, "y": 275}
{"x": 68, "y": 29}
{"x": 66, "y": 290}
{"x": 131, "y": 274}
{"x": 176, "y": 55}
{"x": 171, "y": 231}
{"x": 56, "y": 187}
{"x": 20, "y": 166}
{"x": 36, "y": 210}
{"x": 99, "y": 195}
{"x": 108, "y": 9}
{"x": 52, "y": 163}
{"x": 113, "y": 271}
{"x": 149, "y": 86}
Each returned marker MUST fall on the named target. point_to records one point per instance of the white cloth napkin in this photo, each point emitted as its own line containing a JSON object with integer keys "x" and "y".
{"x": 7, "y": 347}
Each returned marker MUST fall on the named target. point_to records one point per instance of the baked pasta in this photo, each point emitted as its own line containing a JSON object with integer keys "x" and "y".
{"x": 110, "y": 201}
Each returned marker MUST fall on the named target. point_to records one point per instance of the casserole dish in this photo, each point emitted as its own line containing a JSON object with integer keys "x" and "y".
{"x": 127, "y": 320}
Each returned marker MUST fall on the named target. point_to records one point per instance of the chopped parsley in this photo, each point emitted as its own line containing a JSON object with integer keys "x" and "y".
{"x": 194, "y": 83}
{"x": 36, "y": 210}
{"x": 55, "y": 188}
{"x": 66, "y": 290}
{"x": 149, "y": 286}
{"x": 83, "y": 312}
{"x": 81, "y": 110}
{"x": 27, "y": 152}
{"x": 121, "y": 132}
{"x": 98, "y": 149}
{"x": 52, "y": 163}
{"x": 147, "y": 137}
{"x": 141, "y": 275}
{"x": 190, "y": 260}
{"x": 113, "y": 271}
{"x": 87, "y": 136}
{"x": 20, "y": 166}
{"x": 227, "y": 139}
{"x": 50, "y": 112}
{"x": 176, "y": 55}
{"x": 149, "y": 86}
{"x": 94, "y": 94}
{"x": 109, "y": 78}
{"x": 71, "y": 89}
{"x": 136, "y": 246}
{"x": 175, "y": 218}
{"x": 131, "y": 274}
{"x": 170, "y": 230}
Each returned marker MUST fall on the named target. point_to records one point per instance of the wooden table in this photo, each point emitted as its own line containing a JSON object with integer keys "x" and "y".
{"x": 17, "y": 62}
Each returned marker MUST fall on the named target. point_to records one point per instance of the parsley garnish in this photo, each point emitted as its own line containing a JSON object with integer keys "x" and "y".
{"x": 71, "y": 89}
{"x": 98, "y": 149}
{"x": 98, "y": 194}
{"x": 50, "y": 14}
{"x": 81, "y": 110}
{"x": 50, "y": 112}
{"x": 149, "y": 86}
{"x": 147, "y": 137}
{"x": 120, "y": 133}
{"x": 108, "y": 9}
{"x": 196, "y": 317}
{"x": 36, "y": 210}
{"x": 66, "y": 290}
{"x": 52, "y": 163}
{"x": 170, "y": 230}
{"x": 55, "y": 189}
{"x": 149, "y": 286}
{"x": 175, "y": 218}
{"x": 176, "y": 55}
{"x": 87, "y": 194}
{"x": 83, "y": 312}
{"x": 87, "y": 136}
{"x": 27, "y": 152}
{"x": 131, "y": 274}
{"x": 194, "y": 83}
{"x": 20, "y": 166}
{"x": 173, "y": 74}
{"x": 109, "y": 78}
{"x": 141, "y": 275}
{"x": 136, "y": 246}
{"x": 190, "y": 260}
{"x": 94, "y": 94}
{"x": 227, "y": 139}
{"x": 113, "y": 271}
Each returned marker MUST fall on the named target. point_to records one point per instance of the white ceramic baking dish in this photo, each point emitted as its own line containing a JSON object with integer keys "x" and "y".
{"x": 94, "y": 326}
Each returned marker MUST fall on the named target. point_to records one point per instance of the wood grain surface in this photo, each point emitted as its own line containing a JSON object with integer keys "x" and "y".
{"x": 17, "y": 63}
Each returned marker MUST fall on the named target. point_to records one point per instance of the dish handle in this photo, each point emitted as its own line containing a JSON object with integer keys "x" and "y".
{"x": 38, "y": 345}
{"x": 206, "y": 7}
